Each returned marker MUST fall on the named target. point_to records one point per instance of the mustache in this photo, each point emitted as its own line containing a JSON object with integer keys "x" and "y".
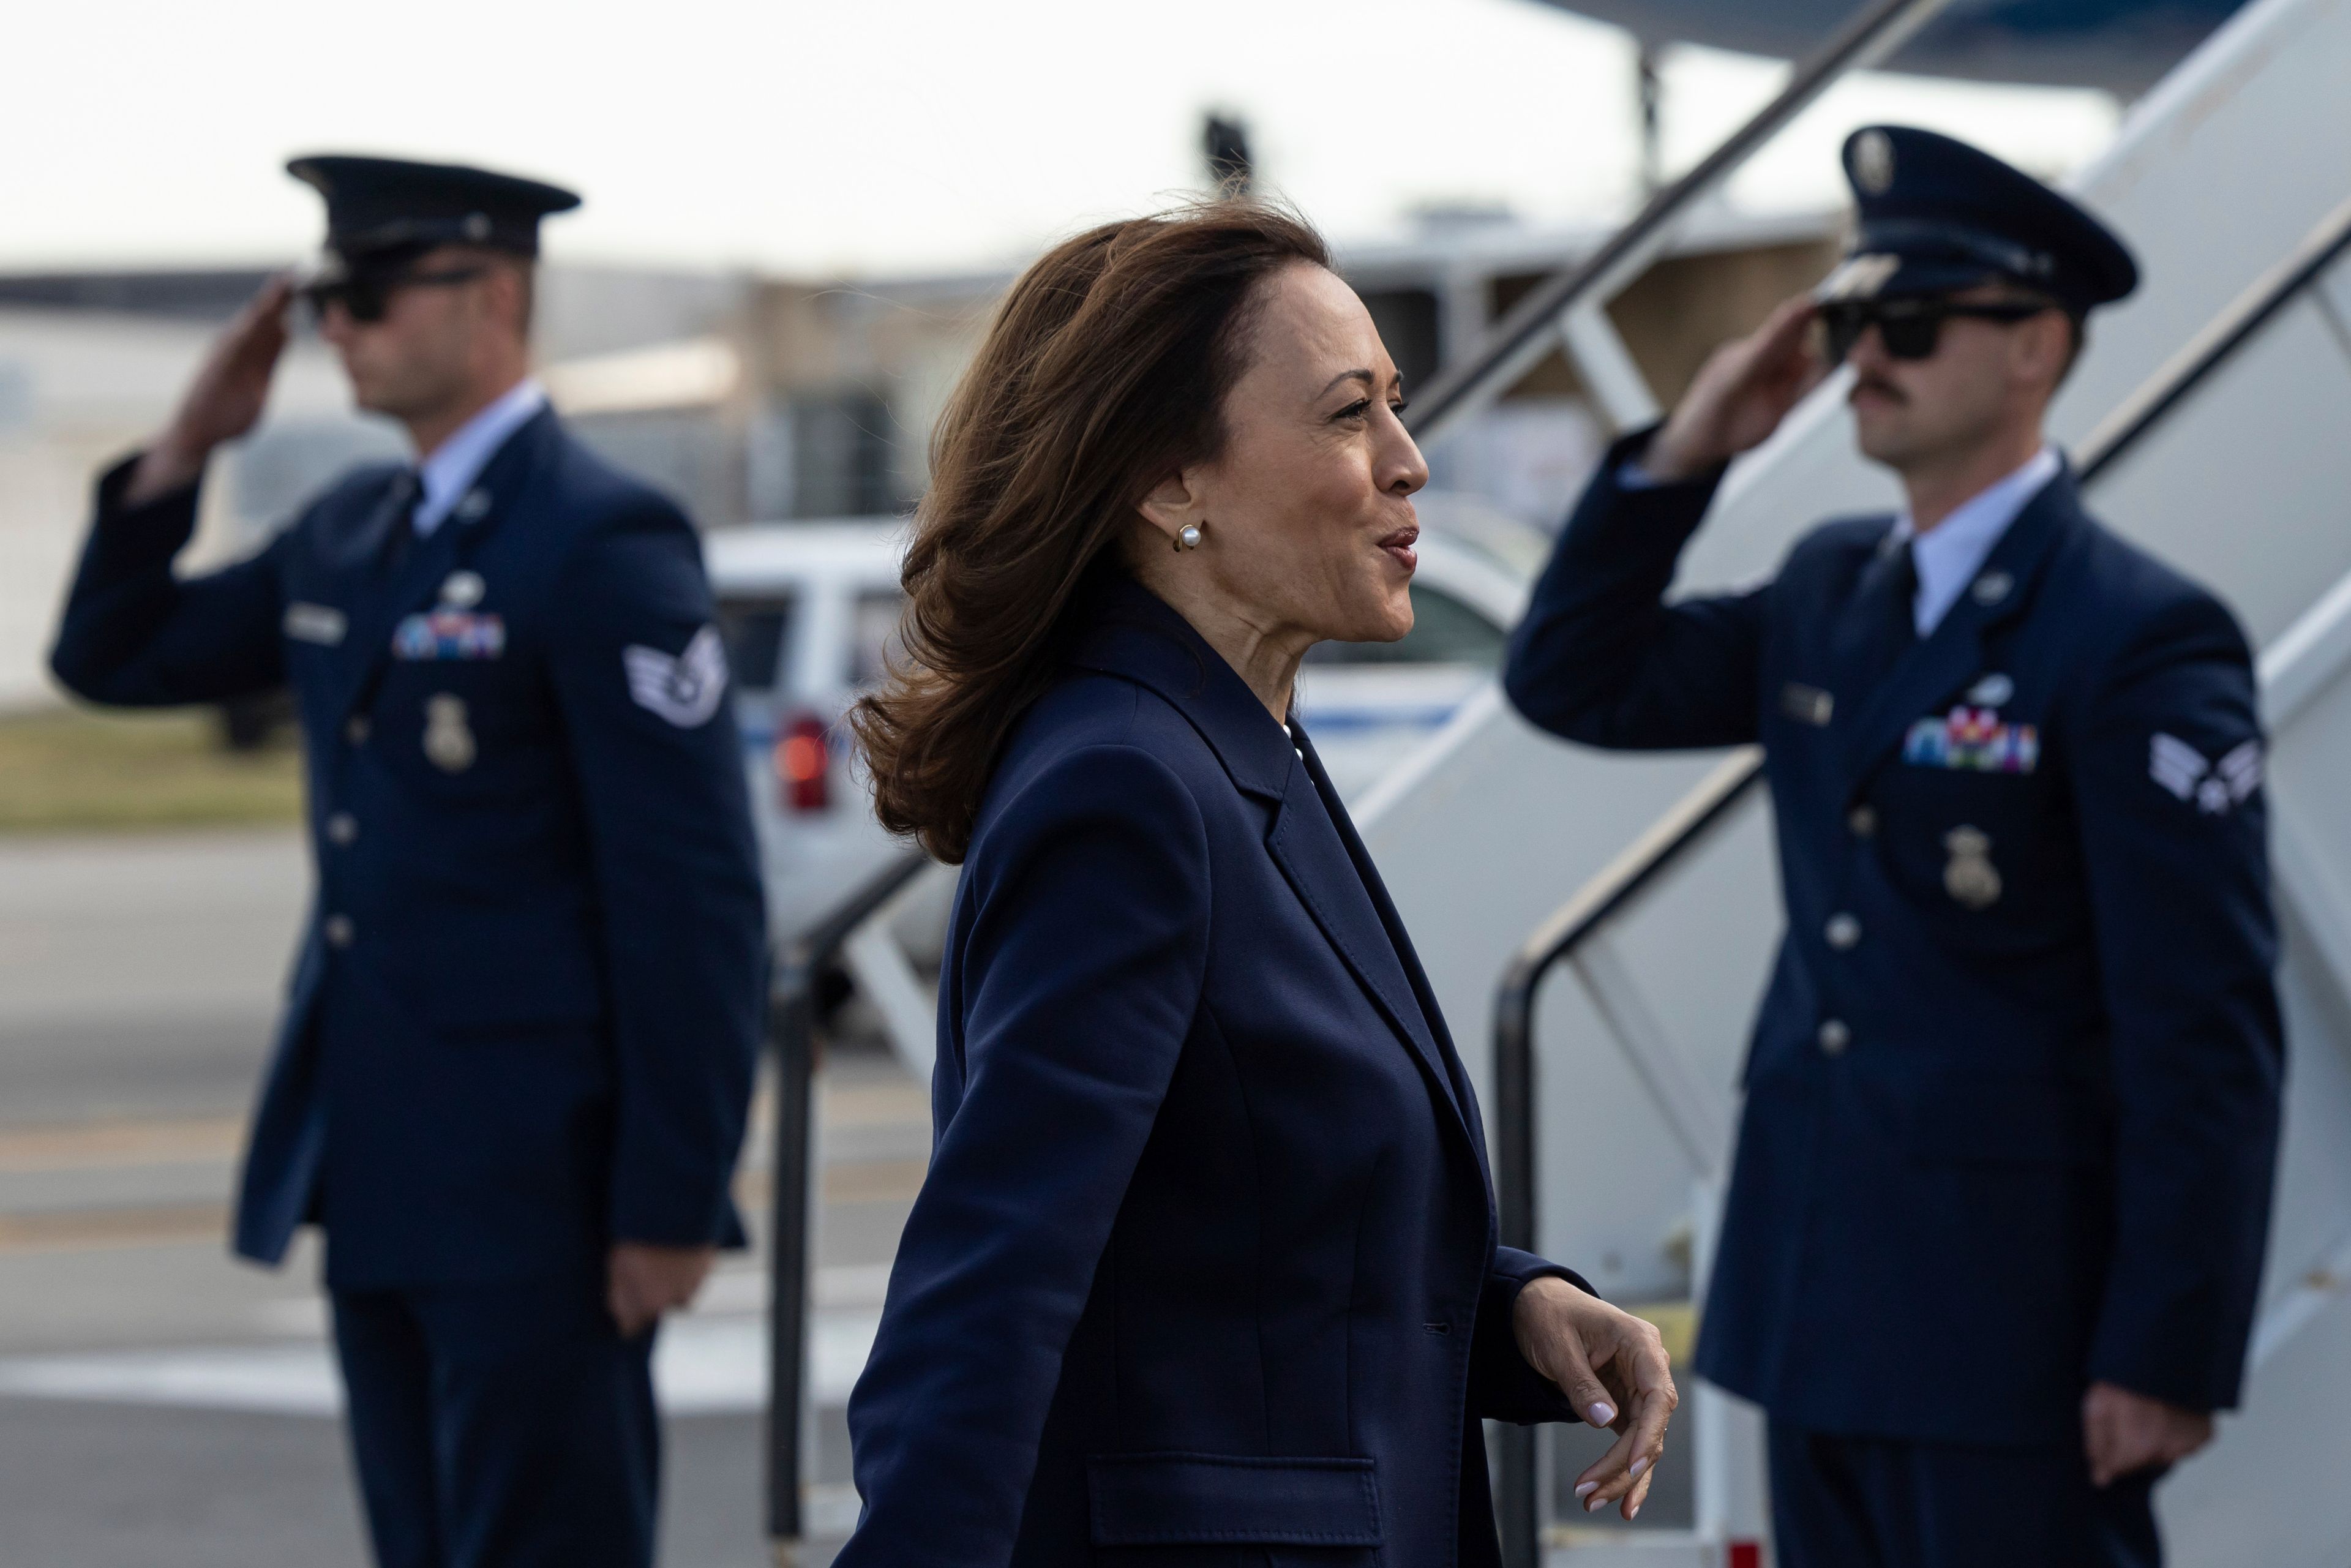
{"x": 1877, "y": 384}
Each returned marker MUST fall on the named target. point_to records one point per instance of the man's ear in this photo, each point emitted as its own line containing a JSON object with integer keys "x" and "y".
{"x": 2047, "y": 342}
{"x": 510, "y": 288}
{"x": 1170, "y": 505}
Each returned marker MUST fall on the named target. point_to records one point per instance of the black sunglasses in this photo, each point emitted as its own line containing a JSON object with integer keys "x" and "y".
{"x": 365, "y": 296}
{"x": 1911, "y": 328}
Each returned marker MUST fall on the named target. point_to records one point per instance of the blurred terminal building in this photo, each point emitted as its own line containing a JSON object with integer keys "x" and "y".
{"x": 761, "y": 399}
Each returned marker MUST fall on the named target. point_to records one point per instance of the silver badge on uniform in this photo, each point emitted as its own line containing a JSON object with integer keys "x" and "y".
{"x": 448, "y": 738}
{"x": 321, "y": 624}
{"x": 1806, "y": 704}
{"x": 1991, "y": 691}
{"x": 474, "y": 507}
{"x": 1970, "y": 876}
{"x": 462, "y": 589}
{"x": 1992, "y": 586}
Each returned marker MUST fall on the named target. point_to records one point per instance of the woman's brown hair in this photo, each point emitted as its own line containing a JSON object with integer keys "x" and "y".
{"x": 1104, "y": 372}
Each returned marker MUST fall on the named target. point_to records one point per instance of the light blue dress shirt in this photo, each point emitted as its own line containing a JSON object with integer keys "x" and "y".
{"x": 1949, "y": 554}
{"x": 453, "y": 466}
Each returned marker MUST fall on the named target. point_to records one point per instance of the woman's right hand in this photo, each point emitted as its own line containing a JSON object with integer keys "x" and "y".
{"x": 1614, "y": 1366}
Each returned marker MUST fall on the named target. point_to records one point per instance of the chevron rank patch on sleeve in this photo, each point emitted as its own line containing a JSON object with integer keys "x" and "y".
{"x": 685, "y": 690}
{"x": 2214, "y": 787}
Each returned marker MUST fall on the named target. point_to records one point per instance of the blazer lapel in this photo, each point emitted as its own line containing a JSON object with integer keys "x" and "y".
{"x": 1138, "y": 637}
{"x": 1305, "y": 843}
{"x": 1413, "y": 1013}
{"x": 415, "y": 584}
{"x": 1953, "y": 655}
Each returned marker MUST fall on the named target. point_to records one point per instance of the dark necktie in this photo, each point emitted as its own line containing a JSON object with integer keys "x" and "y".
{"x": 400, "y": 510}
{"x": 1889, "y": 594}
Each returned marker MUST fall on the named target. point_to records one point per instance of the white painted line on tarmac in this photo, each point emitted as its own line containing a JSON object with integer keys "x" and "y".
{"x": 703, "y": 1365}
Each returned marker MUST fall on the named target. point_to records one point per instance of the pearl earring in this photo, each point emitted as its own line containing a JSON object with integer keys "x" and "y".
{"x": 1187, "y": 537}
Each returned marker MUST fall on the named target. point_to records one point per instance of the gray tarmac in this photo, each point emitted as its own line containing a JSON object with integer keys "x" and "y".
{"x": 160, "y": 1403}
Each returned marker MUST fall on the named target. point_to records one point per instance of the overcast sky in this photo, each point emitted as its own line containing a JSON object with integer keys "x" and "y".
{"x": 864, "y": 136}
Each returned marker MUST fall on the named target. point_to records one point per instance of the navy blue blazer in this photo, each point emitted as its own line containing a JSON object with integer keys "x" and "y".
{"x": 526, "y": 1007}
{"x": 2011, "y": 1100}
{"x": 1205, "y": 1261}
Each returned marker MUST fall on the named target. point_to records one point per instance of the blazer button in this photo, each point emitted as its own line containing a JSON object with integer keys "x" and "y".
{"x": 1841, "y": 932}
{"x": 342, "y": 828}
{"x": 356, "y": 731}
{"x": 338, "y": 930}
{"x": 1863, "y": 820}
{"x": 1834, "y": 1036}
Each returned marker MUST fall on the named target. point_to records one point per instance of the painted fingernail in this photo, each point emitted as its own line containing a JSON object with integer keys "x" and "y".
{"x": 1590, "y": 1504}
{"x": 1587, "y": 1489}
{"x": 1639, "y": 1466}
{"x": 1635, "y": 1514}
{"x": 1603, "y": 1413}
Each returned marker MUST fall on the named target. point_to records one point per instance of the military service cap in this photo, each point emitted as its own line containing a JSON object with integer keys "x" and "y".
{"x": 376, "y": 205}
{"x": 1937, "y": 215}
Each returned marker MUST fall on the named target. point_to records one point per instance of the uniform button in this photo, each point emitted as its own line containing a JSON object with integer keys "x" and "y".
{"x": 1842, "y": 931}
{"x": 1834, "y": 1036}
{"x": 342, "y": 828}
{"x": 1863, "y": 820}
{"x": 337, "y": 929}
{"x": 357, "y": 730}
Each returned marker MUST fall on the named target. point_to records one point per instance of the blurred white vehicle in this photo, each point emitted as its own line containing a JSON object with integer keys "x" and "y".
{"x": 810, "y": 609}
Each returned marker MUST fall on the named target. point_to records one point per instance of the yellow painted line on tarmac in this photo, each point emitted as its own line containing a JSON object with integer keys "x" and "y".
{"x": 90, "y": 1230}
{"x": 124, "y": 1143}
{"x": 120, "y": 1143}
{"x": 874, "y": 1104}
{"x": 845, "y": 1181}
{"x": 874, "y": 1181}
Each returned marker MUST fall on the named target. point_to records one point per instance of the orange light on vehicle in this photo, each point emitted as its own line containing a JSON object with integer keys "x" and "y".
{"x": 804, "y": 764}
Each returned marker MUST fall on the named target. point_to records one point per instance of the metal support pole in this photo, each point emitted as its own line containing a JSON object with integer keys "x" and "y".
{"x": 1653, "y": 93}
{"x": 1517, "y": 1489}
{"x": 792, "y": 1027}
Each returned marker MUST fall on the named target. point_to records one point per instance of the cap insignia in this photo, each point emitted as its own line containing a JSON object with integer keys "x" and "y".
{"x": 1858, "y": 278}
{"x": 1873, "y": 162}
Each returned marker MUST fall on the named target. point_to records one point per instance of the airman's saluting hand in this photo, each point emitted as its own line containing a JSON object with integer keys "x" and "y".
{"x": 225, "y": 399}
{"x": 1740, "y": 396}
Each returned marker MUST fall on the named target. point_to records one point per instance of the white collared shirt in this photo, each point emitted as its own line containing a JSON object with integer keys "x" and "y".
{"x": 1949, "y": 554}
{"x": 453, "y": 466}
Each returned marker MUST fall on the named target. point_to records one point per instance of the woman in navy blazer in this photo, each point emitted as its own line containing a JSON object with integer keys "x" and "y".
{"x": 1204, "y": 1270}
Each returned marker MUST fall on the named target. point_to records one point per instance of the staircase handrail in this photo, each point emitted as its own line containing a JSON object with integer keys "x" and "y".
{"x": 793, "y": 1021}
{"x": 1510, "y": 345}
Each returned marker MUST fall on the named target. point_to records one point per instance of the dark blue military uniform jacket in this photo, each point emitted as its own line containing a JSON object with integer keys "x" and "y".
{"x": 2012, "y": 1101}
{"x": 1205, "y": 1259}
{"x": 525, "y": 1011}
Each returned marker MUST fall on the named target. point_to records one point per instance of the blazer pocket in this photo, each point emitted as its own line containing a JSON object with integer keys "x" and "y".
{"x": 1204, "y": 1499}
